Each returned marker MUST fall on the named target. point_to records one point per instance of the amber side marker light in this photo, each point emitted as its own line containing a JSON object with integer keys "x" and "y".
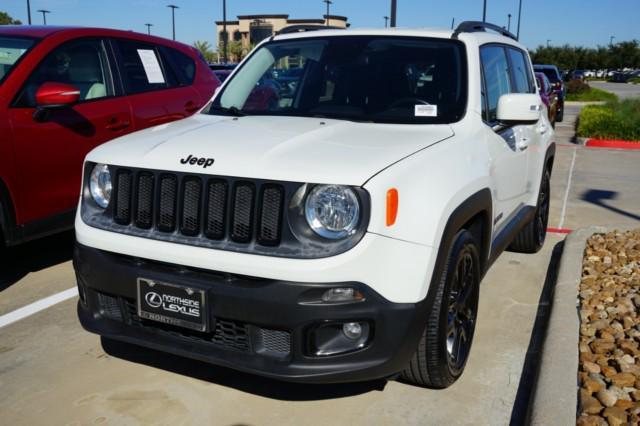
{"x": 392, "y": 206}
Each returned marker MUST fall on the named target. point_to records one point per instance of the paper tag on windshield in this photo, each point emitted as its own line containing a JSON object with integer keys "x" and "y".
{"x": 426, "y": 111}
{"x": 151, "y": 66}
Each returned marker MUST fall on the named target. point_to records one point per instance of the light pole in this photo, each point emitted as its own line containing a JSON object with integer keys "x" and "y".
{"x": 328, "y": 2}
{"x": 149, "y": 28}
{"x": 519, "y": 18}
{"x": 611, "y": 40}
{"x": 453, "y": 22}
{"x": 44, "y": 15}
{"x": 29, "y": 11}
{"x": 224, "y": 32}
{"x": 173, "y": 18}
{"x": 386, "y": 21}
{"x": 394, "y": 8}
{"x": 509, "y": 23}
{"x": 548, "y": 41}
{"x": 484, "y": 12}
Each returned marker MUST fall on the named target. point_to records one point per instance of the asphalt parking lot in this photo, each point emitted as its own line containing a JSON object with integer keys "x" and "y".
{"x": 622, "y": 90}
{"x": 51, "y": 371}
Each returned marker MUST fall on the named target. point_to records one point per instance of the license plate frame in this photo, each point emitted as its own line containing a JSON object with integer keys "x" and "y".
{"x": 172, "y": 304}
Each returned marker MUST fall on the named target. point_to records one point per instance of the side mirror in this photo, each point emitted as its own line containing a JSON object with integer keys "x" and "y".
{"x": 519, "y": 108}
{"x": 53, "y": 96}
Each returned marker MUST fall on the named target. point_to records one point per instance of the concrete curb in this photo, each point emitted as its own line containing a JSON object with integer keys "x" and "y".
{"x": 556, "y": 395}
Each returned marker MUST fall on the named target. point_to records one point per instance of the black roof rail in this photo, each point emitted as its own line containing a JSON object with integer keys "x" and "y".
{"x": 477, "y": 26}
{"x": 306, "y": 27}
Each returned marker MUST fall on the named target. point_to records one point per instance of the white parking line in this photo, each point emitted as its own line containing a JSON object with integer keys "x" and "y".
{"x": 38, "y": 306}
{"x": 566, "y": 193}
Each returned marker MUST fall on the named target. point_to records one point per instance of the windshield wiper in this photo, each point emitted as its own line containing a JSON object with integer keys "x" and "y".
{"x": 234, "y": 111}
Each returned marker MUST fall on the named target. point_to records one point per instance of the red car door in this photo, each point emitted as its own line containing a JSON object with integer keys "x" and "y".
{"x": 49, "y": 152}
{"x": 155, "y": 92}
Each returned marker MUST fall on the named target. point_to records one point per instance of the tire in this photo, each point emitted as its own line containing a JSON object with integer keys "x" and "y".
{"x": 451, "y": 321}
{"x": 531, "y": 237}
{"x": 560, "y": 114}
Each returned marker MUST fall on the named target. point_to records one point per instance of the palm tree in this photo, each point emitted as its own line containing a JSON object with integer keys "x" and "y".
{"x": 206, "y": 49}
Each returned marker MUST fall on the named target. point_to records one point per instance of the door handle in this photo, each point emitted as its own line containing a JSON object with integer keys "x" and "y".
{"x": 523, "y": 144}
{"x": 191, "y": 106}
{"x": 115, "y": 124}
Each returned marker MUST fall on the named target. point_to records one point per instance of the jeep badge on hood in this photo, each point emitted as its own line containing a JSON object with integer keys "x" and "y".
{"x": 204, "y": 162}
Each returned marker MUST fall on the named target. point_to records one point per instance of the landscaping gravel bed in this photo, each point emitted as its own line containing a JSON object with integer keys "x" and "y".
{"x": 609, "y": 374}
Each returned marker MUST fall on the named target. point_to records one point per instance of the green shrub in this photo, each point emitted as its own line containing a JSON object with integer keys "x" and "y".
{"x": 634, "y": 80}
{"x": 577, "y": 87}
{"x": 615, "y": 120}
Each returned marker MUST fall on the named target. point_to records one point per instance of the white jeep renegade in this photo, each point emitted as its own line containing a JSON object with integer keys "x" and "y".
{"x": 330, "y": 214}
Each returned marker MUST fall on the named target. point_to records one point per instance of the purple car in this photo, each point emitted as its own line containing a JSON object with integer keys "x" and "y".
{"x": 554, "y": 76}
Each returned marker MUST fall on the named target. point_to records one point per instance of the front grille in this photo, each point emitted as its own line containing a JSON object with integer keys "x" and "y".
{"x": 205, "y": 210}
{"x": 226, "y": 333}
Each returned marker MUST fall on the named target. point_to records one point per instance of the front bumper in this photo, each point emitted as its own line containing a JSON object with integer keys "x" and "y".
{"x": 244, "y": 309}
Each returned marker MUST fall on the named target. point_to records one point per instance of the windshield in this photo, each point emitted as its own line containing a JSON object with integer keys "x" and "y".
{"x": 360, "y": 78}
{"x": 551, "y": 74}
{"x": 11, "y": 50}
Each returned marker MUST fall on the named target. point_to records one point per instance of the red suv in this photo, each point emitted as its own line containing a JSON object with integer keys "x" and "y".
{"x": 65, "y": 90}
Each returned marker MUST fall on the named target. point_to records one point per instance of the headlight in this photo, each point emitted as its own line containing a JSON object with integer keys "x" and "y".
{"x": 332, "y": 211}
{"x": 100, "y": 185}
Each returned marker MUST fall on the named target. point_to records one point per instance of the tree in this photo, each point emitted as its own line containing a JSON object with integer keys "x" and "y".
{"x": 619, "y": 55}
{"x": 5, "y": 19}
{"x": 206, "y": 50}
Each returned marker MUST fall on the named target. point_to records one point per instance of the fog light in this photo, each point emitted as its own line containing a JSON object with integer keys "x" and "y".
{"x": 342, "y": 294}
{"x": 353, "y": 330}
{"x": 337, "y": 338}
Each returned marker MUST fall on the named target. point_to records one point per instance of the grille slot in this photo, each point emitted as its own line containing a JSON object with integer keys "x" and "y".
{"x": 275, "y": 341}
{"x": 216, "y": 209}
{"x": 271, "y": 215}
{"x": 190, "y": 224}
{"x": 122, "y": 208}
{"x": 199, "y": 210}
{"x": 243, "y": 205}
{"x": 167, "y": 207}
{"x": 144, "y": 205}
{"x": 109, "y": 306}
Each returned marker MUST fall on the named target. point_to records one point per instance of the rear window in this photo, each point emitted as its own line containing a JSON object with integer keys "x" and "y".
{"x": 141, "y": 67}
{"x": 551, "y": 74}
{"x": 11, "y": 50}
{"x": 183, "y": 66}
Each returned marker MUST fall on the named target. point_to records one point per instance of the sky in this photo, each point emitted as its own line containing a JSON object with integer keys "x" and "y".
{"x": 576, "y": 22}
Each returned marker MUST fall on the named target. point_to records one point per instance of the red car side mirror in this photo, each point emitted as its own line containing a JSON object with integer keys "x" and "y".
{"x": 57, "y": 95}
{"x": 52, "y": 96}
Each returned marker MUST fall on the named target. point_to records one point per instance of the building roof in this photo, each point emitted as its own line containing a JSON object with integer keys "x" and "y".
{"x": 275, "y": 16}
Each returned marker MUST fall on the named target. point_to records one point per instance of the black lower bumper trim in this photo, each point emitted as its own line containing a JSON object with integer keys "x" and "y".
{"x": 261, "y": 326}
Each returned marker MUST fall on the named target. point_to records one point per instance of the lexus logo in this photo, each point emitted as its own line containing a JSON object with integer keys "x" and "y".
{"x": 153, "y": 299}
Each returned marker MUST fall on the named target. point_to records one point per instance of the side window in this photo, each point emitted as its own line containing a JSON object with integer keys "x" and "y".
{"x": 80, "y": 63}
{"x": 496, "y": 76}
{"x": 183, "y": 66}
{"x": 141, "y": 67}
{"x": 520, "y": 71}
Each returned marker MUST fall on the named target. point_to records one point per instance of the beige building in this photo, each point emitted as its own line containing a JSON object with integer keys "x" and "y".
{"x": 252, "y": 29}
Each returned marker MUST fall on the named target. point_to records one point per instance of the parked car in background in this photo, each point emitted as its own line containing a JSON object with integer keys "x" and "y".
{"x": 557, "y": 83}
{"x": 624, "y": 76}
{"x": 549, "y": 97}
{"x": 222, "y": 74}
{"x": 578, "y": 75}
{"x": 64, "y": 91}
{"x": 222, "y": 66}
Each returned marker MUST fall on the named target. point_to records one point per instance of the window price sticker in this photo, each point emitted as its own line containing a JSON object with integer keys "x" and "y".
{"x": 151, "y": 66}
{"x": 426, "y": 111}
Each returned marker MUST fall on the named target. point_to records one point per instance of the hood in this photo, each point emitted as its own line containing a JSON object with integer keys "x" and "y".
{"x": 298, "y": 149}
